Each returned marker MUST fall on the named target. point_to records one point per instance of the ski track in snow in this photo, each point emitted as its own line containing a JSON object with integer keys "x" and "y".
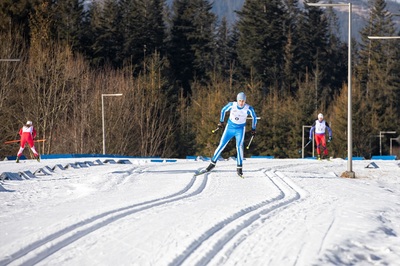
{"x": 226, "y": 233}
{"x": 50, "y": 244}
{"x": 276, "y": 220}
{"x": 229, "y": 230}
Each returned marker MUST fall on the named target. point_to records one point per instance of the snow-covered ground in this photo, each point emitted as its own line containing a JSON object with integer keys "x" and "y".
{"x": 285, "y": 212}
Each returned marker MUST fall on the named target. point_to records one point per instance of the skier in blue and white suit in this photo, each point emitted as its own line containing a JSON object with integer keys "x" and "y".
{"x": 236, "y": 128}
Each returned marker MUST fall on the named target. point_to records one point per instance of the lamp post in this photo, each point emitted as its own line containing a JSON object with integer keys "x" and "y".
{"x": 349, "y": 172}
{"x": 380, "y": 139}
{"x": 102, "y": 115}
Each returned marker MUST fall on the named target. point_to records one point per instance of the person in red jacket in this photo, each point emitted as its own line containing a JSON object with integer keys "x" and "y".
{"x": 319, "y": 127}
{"x": 28, "y": 134}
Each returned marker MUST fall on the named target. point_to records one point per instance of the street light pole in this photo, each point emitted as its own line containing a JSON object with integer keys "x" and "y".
{"x": 349, "y": 106}
{"x": 349, "y": 173}
{"x": 102, "y": 116}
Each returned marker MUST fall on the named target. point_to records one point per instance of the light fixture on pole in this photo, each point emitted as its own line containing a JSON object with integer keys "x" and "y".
{"x": 384, "y": 37}
{"x": 102, "y": 116}
{"x": 380, "y": 139}
{"x": 349, "y": 173}
{"x": 10, "y": 60}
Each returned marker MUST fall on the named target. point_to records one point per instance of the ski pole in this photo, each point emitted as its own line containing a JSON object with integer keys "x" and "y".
{"x": 308, "y": 143}
{"x": 11, "y": 141}
{"x": 215, "y": 130}
{"x": 305, "y": 145}
{"x": 18, "y": 140}
{"x": 248, "y": 146}
{"x": 30, "y": 151}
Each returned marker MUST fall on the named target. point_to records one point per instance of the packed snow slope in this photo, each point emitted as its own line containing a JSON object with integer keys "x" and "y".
{"x": 284, "y": 212}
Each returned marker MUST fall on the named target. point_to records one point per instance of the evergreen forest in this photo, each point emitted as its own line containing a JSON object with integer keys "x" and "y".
{"x": 177, "y": 65}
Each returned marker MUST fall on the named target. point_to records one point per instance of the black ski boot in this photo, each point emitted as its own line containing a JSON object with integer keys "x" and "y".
{"x": 239, "y": 171}
{"x": 210, "y": 167}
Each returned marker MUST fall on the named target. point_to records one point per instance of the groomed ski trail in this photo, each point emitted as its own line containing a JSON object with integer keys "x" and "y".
{"x": 37, "y": 251}
{"x": 217, "y": 242}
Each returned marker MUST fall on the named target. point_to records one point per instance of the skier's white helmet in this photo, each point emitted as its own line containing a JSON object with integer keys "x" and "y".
{"x": 320, "y": 116}
{"x": 29, "y": 123}
{"x": 241, "y": 96}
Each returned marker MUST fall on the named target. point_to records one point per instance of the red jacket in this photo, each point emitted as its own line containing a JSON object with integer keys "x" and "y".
{"x": 27, "y": 133}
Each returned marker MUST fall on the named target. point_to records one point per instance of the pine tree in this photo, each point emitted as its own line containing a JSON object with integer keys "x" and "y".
{"x": 292, "y": 49}
{"x": 362, "y": 134}
{"x": 191, "y": 43}
{"x": 107, "y": 33}
{"x": 15, "y": 14}
{"x": 335, "y": 61}
{"x": 223, "y": 49}
{"x": 314, "y": 27}
{"x": 303, "y": 113}
{"x": 143, "y": 29}
{"x": 378, "y": 70}
{"x": 203, "y": 38}
{"x": 68, "y": 20}
{"x": 262, "y": 39}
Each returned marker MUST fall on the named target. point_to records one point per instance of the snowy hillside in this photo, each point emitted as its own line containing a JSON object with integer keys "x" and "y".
{"x": 285, "y": 212}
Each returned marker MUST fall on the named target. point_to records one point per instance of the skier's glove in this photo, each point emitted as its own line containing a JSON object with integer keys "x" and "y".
{"x": 310, "y": 138}
{"x": 330, "y": 139}
{"x": 253, "y": 132}
{"x": 221, "y": 125}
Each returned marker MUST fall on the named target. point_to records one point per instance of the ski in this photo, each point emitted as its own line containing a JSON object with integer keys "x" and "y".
{"x": 202, "y": 172}
{"x": 239, "y": 172}
{"x": 27, "y": 160}
{"x": 197, "y": 173}
{"x": 324, "y": 160}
